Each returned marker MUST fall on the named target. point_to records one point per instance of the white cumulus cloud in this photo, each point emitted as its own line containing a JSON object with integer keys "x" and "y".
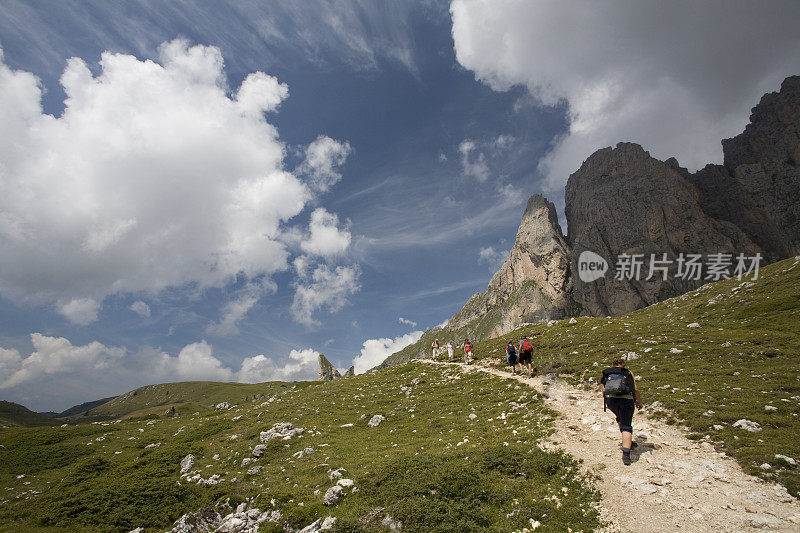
{"x": 374, "y": 351}
{"x": 298, "y": 366}
{"x": 325, "y": 238}
{"x": 156, "y": 175}
{"x": 676, "y": 77}
{"x": 53, "y": 356}
{"x": 80, "y": 311}
{"x": 323, "y": 158}
{"x": 58, "y": 373}
{"x": 195, "y": 361}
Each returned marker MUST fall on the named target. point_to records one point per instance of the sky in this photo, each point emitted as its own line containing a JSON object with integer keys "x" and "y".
{"x": 222, "y": 191}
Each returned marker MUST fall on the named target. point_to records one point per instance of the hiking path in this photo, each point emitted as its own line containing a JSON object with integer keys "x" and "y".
{"x": 674, "y": 483}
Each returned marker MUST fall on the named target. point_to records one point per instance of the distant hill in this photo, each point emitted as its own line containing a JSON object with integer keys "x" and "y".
{"x": 189, "y": 396}
{"x": 13, "y": 415}
{"x": 78, "y": 409}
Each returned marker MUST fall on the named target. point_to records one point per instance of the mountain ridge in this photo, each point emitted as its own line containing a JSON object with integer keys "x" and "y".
{"x": 622, "y": 201}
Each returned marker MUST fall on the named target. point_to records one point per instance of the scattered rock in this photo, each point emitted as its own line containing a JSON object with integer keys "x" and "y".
{"x": 333, "y": 495}
{"x": 785, "y": 458}
{"x": 206, "y": 519}
{"x": 473, "y": 416}
{"x": 764, "y": 521}
{"x": 375, "y": 420}
{"x": 187, "y": 463}
{"x": 395, "y": 526}
{"x": 749, "y": 425}
{"x": 222, "y": 406}
{"x": 258, "y": 451}
{"x": 345, "y": 483}
{"x": 336, "y": 474}
{"x": 675, "y": 350}
{"x": 247, "y": 460}
{"x": 245, "y": 520}
{"x": 693, "y": 325}
{"x": 320, "y": 525}
{"x": 303, "y": 452}
{"x": 770, "y": 408}
{"x": 573, "y": 320}
{"x": 254, "y": 470}
{"x": 281, "y": 430}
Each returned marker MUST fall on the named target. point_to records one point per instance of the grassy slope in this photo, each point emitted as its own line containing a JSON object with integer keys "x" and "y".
{"x": 13, "y": 414}
{"x": 709, "y": 383}
{"x": 186, "y": 397}
{"x": 498, "y": 480}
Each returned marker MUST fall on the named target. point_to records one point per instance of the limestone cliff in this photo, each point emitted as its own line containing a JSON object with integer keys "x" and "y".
{"x": 623, "y": 201}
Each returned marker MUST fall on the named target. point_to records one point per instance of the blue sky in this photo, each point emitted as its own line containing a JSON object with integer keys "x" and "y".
{"x": 236, "y": 187}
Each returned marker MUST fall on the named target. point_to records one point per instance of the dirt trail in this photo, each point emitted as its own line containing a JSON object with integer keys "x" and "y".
{"x": 673, "y": 484}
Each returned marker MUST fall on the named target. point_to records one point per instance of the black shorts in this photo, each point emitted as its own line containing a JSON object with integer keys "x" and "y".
{"x": 526, "y": 357}
{"x": 623, "y": 409}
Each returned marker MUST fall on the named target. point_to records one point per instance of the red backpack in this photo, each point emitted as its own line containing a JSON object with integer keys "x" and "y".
{"x": 526, "y": 346}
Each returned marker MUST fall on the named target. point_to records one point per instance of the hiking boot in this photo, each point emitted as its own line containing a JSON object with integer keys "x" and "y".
{"x": 626, "y": 458}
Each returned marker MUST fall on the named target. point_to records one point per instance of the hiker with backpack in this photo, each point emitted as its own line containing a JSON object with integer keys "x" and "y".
{"x": 621, "y": 395}
{"x": 449, "y": 347}
{"x": 511, "y": 356}
{"x": 526, "y": 355}
{"x": 467, "y": 352}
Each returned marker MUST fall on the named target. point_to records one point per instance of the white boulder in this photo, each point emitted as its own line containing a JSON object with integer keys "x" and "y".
{"x": 187, "y": 463}
{"x": 748, "y": 425}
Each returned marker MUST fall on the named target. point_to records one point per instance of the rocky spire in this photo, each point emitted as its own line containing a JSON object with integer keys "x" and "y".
{"x": 327, "y": 372}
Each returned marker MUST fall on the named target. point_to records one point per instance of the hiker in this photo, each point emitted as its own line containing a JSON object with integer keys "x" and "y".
{"x": 526, "y": 355}
{"x": 620, "y": 394}
{"x": 449, "y": 347}
{"x": 467, "y": 352}
{"x": 435, "y": 349}
{"x": 511, "y": 356}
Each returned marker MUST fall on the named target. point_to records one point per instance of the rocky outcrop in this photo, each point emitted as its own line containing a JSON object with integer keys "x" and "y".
{"x": 623, "y": 201}
{"x": 763, "y": 165}
{"x": 327, "y": 372}
{"x": 534, "y": 282}
{"x": 350, "y": 372}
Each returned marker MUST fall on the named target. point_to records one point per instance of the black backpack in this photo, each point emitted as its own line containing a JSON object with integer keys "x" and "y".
{"x": 511, "y": 350}
{"x": 617, "y": 385}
